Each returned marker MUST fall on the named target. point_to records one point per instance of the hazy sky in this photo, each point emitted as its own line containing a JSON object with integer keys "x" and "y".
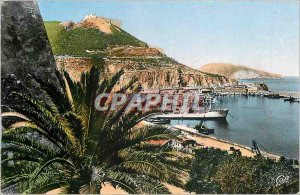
{"x": 261, "y": 34}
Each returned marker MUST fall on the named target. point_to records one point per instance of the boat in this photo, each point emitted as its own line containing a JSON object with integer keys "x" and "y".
{"x": 273, "y": 96}
{"x": 224, "y": 94}
{"x": 203, "y": 129}
{"x": 245, "y": 94}
{"x": 208, "y": 100}
{"x": 212, "y": 114}
{"x": 158, "y": 120}
{"x": 291, "y": 99}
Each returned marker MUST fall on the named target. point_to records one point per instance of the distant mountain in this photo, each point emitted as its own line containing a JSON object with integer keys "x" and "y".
{"x": 77, "y": 45}
{"x": 237, "y": 71}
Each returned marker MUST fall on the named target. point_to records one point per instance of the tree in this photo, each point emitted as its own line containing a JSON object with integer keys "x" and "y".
{"x": 168, "y": 78}
{"x": 63, "y": 142}
{"x": 181, "y": 82}
{"x": 216, "y": 171}
{"x": 203, "y": 167}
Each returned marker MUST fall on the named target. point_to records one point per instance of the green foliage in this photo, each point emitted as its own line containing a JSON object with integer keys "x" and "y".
{"x": 76, "y": 41}
{"x": 65, "y": 143}
{"x": 53, "y": 29}
{"x": 168, "y": 78}
{"x": 216, "y": 171}
{"x": 181, "y": 82}
{"x": 212, "y": 74}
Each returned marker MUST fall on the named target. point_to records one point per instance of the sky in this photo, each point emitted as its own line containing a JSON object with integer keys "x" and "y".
{"x": 261, "y": 34}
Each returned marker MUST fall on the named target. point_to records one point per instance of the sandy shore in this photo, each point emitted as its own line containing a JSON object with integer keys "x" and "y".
{"x": 210, "y": 141}
{"x": 109, "y": 189}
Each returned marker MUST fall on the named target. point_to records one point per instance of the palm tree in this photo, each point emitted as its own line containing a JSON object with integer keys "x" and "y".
{"x": 63, "y": 142}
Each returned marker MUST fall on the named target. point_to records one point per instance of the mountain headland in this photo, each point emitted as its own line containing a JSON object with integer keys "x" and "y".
{"x": 237, "y": 71}
{"x": 76, "y": 45}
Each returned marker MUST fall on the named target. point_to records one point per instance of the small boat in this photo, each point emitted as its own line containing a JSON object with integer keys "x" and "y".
{"x": 224, "y": 94}
{"x": 208, "y": 100}
{"x": 245, "y": 94}
{"x": 158, "y": 120}
{"x": 212, "y": 114}
{"x": 206, "y": 131}
{"x": 291, "y": 99}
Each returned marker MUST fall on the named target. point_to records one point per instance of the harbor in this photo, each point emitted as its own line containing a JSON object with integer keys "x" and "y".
{"x": 246, "y": 121}
{"x": 149, "y": 97}
{"x": 246, "y": 118}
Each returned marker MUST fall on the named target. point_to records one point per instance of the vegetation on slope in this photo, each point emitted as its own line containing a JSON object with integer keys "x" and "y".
{"x": 216, "y": 171}
{"x": 76, "y": 41}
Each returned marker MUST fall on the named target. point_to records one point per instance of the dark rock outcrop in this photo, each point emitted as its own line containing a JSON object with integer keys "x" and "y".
{"x": 25, "y": 49}
{"x": 25, "y": 46}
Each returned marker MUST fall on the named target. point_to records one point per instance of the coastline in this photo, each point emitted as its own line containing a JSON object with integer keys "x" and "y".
{"x": 214, "y": 142}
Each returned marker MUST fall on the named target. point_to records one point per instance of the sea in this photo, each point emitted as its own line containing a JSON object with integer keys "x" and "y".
{"x": 273, "y": 123}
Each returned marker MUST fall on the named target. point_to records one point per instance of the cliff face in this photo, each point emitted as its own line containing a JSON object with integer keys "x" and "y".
{"x": 152, "y": 68}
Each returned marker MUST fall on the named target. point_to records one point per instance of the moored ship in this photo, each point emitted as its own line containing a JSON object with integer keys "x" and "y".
{"x": 212, "y": 114}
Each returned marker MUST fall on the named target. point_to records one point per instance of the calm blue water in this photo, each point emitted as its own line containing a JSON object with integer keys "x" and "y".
{"x": 272, "y": 122}
{"x": 289, "y": 84}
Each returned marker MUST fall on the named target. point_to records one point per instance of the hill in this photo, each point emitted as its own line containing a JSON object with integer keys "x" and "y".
{"x": 237, "y": 71}
{"x": 68, "y": 38}
{"x": 77, "y": 45}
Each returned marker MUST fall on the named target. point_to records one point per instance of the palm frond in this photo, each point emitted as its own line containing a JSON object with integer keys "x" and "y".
{"x": 57, "y": 97}
{"x": 64, "y": 141}
{"x": 14, "y": 114}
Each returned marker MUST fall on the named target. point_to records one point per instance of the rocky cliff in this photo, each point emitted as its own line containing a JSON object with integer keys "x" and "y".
{"x": 152, "y": 71}
{"x": 120, "y": 50}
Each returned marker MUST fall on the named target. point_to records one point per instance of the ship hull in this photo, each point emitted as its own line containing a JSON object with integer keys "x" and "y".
{"x": 221, "y": 114}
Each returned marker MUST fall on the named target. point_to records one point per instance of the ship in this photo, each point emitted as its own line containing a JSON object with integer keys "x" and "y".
{"x": 209, "y": 115}
{"x": 160, "y": 121}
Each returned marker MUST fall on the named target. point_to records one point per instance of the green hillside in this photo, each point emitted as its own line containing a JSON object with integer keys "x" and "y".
{"x": 76, "y": 41}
